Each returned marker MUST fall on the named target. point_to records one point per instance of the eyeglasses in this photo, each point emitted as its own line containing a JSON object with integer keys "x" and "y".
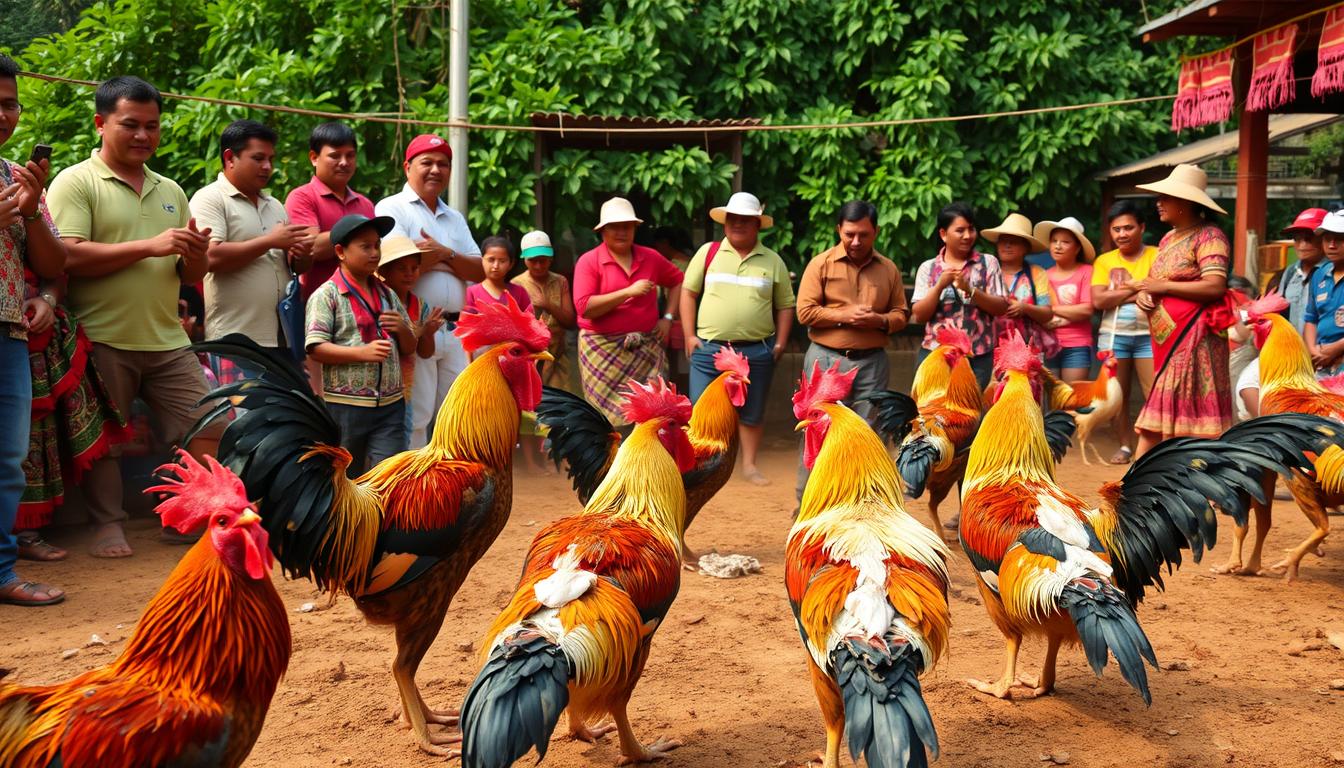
{"x": 11, "y": 107}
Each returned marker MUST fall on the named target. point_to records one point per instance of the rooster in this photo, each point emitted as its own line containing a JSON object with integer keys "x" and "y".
{"x": 1051, "y": 565}
{"x": 595, "y": 587}
{"x": 401, "y": 538}
{"x": 585, "y": 440}
{"x": 934, "y": 442}
{"x": 196, "y": 677}
{"x": 867, "y": 583}
{"x": 1104, "y": 399}
{"x": 1288, "y": 385}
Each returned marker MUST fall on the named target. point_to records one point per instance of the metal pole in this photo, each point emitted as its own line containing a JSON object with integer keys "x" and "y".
{"x": 457, "y": 103}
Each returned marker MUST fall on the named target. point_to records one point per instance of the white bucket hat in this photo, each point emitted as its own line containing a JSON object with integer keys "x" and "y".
{"x": 742, "y": 204}
{"x": 615, "y": 211}
{"x": 1017, "y": 225}
{"x": 537, "y": 243}
{"x": 1073, "y": 225}
{"x": 1332, "y": 223}
{"x": 1186, "y": 182}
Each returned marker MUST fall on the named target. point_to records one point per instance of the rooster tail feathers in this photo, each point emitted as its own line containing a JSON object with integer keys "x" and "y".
{"x": 579, "y": 435}
{"x": 886, "y": 719}
{"x": 1059, "y": 429}
{"x": 1107, "y": 624}
{"x": 916, "y": 460}
{"x": 896, "y": 412}
{"x": 515, "y": 702}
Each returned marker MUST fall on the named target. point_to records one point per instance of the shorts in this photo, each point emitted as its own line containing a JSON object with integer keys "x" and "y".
{"x": 1136, "y": 347}
{"x": 760, "y": 357}
{"x": 1072, "y": 357}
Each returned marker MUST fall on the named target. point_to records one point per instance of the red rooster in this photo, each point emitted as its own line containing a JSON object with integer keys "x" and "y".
{"x": 595, "y": 587}
{"x": 194, "y": 682}
{"x": 581, "y": 436}
{"x": 867, "y": 583}
{"x": 1051, "y": 565}
{"x": 401, "y": 538}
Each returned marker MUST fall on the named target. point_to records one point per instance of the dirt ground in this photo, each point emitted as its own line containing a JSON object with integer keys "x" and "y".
{"x": 727, "y": 674}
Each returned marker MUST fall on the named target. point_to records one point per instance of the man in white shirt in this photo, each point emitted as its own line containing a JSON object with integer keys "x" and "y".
{"x": 450, "y": 260}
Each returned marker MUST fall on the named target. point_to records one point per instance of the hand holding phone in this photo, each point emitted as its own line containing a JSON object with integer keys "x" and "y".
{"x": 40, "y": 152}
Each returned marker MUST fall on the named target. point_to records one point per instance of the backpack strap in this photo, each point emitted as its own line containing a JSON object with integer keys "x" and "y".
{"x": 709, "y": 257}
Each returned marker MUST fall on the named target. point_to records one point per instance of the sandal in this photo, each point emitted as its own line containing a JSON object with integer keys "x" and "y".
{"x": 25, "y": 593}
{"x": 33, "y": 547}
{"x": 1123, "y": 456}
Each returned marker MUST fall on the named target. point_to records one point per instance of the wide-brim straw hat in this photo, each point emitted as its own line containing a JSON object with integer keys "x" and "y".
{"x": 1017, "y": 225}
{"x": 617, "y": 210}
{"x": 395, "y": 247}
{"x": 1073, "y": 225}
{"x": 1185, "y": 182}
{"x": 742, "y": 204}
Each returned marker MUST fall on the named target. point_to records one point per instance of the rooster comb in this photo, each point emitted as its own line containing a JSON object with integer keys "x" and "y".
{"x": 828, "y": 386}
{"x": 1269, "y": 304}
{"x": 1013, "y": 353}
{"x": 657, "y": 399}
{"x": 954, "y": 337}
{"x": 196, "y": 491}
{"x": 729, "y": 359}
{"x": 498, "y": 322}
{"x": 1105, "y": 355}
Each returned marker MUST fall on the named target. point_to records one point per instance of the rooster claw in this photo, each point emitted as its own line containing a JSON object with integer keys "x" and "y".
{"x": 655, "y": 751}
{"x": 439, "y": 751}
{"x": 592, "y": 733}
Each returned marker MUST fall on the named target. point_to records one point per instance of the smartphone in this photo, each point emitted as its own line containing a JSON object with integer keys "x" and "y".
{"x": 40, "y": 152}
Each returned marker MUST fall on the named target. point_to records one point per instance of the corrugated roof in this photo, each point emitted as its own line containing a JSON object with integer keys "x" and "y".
{"x": 1204, "y": 150}
{"x": 633, "y": 134}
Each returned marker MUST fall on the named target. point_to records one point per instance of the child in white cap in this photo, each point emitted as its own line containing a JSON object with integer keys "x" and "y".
{"x": 554, "y": 303}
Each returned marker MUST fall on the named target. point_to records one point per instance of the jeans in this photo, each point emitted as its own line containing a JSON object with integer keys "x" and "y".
{"x": 369, "y": 433}
{"x": 873, "y": 377}
{"x": 16, "y": 408}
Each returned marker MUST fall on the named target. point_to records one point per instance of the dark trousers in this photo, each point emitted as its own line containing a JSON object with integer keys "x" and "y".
{"x": 370, "y": 433}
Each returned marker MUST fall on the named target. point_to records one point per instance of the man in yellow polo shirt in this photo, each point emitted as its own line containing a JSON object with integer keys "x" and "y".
{"x": 132, "y": 242}
{"x": 737, "y": 292}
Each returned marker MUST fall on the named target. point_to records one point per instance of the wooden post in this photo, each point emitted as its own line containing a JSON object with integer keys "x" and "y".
{"x": 737, "y": 162}
{"x": 539, "y": 185}
{"x": 1252, "y": 169}
{"x": 1107, "y": 199}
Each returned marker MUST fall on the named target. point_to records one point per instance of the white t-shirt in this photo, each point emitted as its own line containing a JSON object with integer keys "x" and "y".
{"x": 1249, "y": 379}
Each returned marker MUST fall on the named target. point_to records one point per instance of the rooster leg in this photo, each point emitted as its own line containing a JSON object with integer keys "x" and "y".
{"x": 1251, "y": 565}
{"x": 689, "y": 559}
{"x": 437, "y": 716}
{"x": 632, "y": 751}
{"x": 581, "y": 731}
{"x": 413, "y": 640}
{"x": 1082, "y": 450}
{"x": 1313, "y": 507}
{"x": 832, "y": 714}
{"x": 1046, "y": 682}
{"x": 1009, "y": 680}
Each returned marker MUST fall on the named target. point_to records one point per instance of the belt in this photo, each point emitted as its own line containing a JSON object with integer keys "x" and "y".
{"x": 853, "y": 354}
{"x": 734, "y": 342}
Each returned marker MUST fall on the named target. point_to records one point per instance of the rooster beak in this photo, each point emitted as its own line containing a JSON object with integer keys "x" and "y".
{"x": 247, "y": 518}
{"x": 800, "y": 426}
{"x": 544, "y": 355}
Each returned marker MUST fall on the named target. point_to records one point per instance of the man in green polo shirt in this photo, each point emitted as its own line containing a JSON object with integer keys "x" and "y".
{"x": 737, "y": 292}
{"x": 132, "y": 243}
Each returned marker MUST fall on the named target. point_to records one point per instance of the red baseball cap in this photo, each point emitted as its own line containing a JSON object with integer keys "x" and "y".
{"x": 1310, "y": 220}
{"x": 428, "y": 142}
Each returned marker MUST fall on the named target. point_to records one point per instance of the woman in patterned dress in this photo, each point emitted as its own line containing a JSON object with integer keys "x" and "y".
{"x": 1185, "y": 296}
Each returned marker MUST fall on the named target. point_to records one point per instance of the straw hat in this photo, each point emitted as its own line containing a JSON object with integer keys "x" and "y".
{"x": 537, "y": 243}
{"x": 1185, "y": 182}
{"x": 1018, "y": 225}
{"x": 1073, "y": 225}
{"x": 396, "y": 247}
{"x": 742, "y": 204}
{"x": 615, "y": 211}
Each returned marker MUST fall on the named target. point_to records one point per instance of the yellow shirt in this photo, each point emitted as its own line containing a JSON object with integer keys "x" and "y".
{"x": 739, "y": 296}
{"x": 134, "y": 308}
{"x": 1109, "y": 271}
{"x": 242, "y": 301}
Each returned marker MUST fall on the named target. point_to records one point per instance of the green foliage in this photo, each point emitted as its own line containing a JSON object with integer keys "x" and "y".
{"x": 806, "y": 61}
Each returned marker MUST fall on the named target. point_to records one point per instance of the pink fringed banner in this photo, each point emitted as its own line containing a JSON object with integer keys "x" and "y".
{"x": 1272, "y": 82}
{"x": 1185, "y": 112}
{"x": 1329, "y": 77}
{"x": 1215, "y": 87}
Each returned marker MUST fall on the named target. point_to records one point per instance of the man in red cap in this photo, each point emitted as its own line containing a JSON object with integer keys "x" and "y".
{"x": 450, "y": 259}
{"x": 1296, "y": 278}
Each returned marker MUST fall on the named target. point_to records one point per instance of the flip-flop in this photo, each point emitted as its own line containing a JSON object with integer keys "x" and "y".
{"x": 1123, "y": 455}
{"x": 35, "y": 548}
{"x": 8, "y": 592}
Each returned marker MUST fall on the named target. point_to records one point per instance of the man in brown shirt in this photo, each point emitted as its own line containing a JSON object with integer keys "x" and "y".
{"x": 852, "y": 301}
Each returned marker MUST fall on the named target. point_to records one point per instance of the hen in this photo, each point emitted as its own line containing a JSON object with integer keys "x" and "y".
{"x": 581, "y": 437}
{"x": 192, "y": 686}
{"x": 867, "y": 583}
{"x": 401, "y": 538}
{"x": 1050, "y": 564}
{"x": 1104, "y": 399}
{"x": 595, "y": 587}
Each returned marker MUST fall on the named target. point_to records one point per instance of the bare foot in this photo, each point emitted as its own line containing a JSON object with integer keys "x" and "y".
{"x": 109, "y": 541}
{"x": 754, "y": 476}
{"x": 655, "y": 751}
{"x": 591, "y": 733}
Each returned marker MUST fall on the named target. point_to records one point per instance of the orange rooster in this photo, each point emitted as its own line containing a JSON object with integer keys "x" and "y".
{"x": 595, "y": 587}
{"x": 1288, "y": 385}
{"x": 1104, "y": 399}
{"x": 196, "y": 677}
{"x": 948, "y": 398}
{"x": 581, "y": 436}
{"x": 867, "y": 583}
{"x": 401, "y": 538}
{"x": 1051, "y": 565}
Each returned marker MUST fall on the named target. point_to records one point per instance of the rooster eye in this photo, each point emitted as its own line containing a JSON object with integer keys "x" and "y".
{"x": 221, "y": 521}
{"x": 516, "y": 352}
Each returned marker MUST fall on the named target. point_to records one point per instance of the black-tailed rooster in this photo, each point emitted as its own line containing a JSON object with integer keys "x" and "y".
{"x": 594, "y": 589}
{"x": 583, "y": 438}
{"x": 192, "y": 686}
{"x": 1050, "y": 564}
{"x": 867, "y": 583}
{"x": 401, "y": 538}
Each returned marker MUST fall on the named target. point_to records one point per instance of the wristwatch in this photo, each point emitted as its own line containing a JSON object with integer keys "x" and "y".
{"x": 36, "y": 215}
{"x": 48, "y": 297}
{"x": 668, "y": 316}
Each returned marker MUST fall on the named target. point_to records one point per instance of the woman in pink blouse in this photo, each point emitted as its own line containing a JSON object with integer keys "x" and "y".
{"x": 1070, "y": 295}
{"x": 621, "y": 336}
